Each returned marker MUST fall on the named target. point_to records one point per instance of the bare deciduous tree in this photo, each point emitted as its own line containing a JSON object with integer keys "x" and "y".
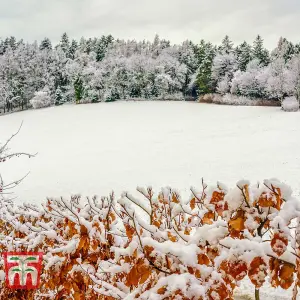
{"x": 5, "y": 154}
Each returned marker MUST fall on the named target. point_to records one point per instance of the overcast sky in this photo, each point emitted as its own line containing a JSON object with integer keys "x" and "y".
{"x": 176, "y": 20}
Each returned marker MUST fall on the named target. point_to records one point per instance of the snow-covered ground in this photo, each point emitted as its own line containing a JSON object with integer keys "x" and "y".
{"x": 96, "y": 148}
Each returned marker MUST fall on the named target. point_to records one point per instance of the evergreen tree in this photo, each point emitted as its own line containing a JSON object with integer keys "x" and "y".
{"x": 243, "y": 55}
{"x": 79, "y": 89}
{"x": 82, "y": 45}
{"x": 13, "y": 42}
{"x": 72, "y": 49}
{"x": 46, "y": 44}
{"x": 226, "y": 46}
{"x": 59, "y": 99}
{"x": 285, "y": 50}
{"x": 102, "y": 46}
{"x": 2, "y": 47}
{"x": 259, "y": 52}
{"x": 89, "y": 46}
{"x": 206, "y": 53}
{"x": 64, "y": 43}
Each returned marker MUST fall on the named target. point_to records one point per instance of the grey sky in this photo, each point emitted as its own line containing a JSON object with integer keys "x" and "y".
{"x": 176, "y": 20}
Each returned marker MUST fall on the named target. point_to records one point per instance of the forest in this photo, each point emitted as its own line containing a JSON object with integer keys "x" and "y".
{"x": 107, "y": 69}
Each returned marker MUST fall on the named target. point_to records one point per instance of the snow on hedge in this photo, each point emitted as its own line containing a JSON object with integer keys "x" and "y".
{"x": 290, "y": 104}
{"x": 202, "y": 248}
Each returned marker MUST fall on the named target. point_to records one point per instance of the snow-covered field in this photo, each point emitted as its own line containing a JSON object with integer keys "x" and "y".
{"x": 93, "y": 149}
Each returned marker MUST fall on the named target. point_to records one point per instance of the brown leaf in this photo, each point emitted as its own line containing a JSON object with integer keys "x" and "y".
{"x": 257, "y": 271}
{"x": 171, "y": 237}
{"x": 203, "y": 259}
{"x": 193, "y": 203}
{"x": 279, "y": 243}
{"x": 175, "y": 198}
{"x": 208, "y": 218}
{"x": 161, "y": 291}
{"x": 132, "y": 277}
{"x": 129, "y": 230}
{"x": 237, "y": 223}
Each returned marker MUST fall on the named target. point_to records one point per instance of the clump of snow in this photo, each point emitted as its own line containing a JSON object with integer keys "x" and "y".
{"x": 290, "y": 104}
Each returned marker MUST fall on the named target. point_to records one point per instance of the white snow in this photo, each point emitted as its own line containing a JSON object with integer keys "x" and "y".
{"x": 92, "y": 149}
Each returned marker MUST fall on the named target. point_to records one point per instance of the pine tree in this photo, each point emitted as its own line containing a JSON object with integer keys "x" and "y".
{"x": 2, "y": 47}
{"x": 72, "y": 49}
{"x": 285, "y": 50}
{"x": 64, "y": 43}
{"x": 89, "y": 46}
{"x": 206, "y": 53}
{"x": 259, "y": 52}
{"x": 59, "y": 99}
{"x": 13, "y": 42}
{"x": 46, "y": 44}
{"x": 102, "y": 46}
{"x": 243, "y": 55}
{"x": 226, "y": 46}
{"x": 79, "y": 89}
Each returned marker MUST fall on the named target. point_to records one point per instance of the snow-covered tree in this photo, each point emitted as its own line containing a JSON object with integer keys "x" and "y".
{"x": 41, "y": 99}
{"x": 227, "y": 46}
{"x": 249, "y": 83}
{"x": 259, "y": 52}
{"x": 224, "y": 66}
{"x": 285, "y": 50}
{"x": 205, "y": 54}
{"x": 65, "y": 43}
{"x": 6, "y": 188}
{"x": 276, "y": 87}
{"x": 46, "y": 44}
{"x": 244, "y": 55}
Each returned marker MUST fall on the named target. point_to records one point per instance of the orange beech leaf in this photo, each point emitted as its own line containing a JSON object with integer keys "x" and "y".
{"x": 235, "y": 268}
{"x": 82, "y": 243}
{"x": 286, "y": 271}
{"x": 94, "y": 245}
{"x": 270, "y": 200}
{"x": 286, "y": 275}
{"x": 156, "y": 223}
{"x": 208, "y": 218}
{"x": 221, "y": 290}
{"x": 112, "y": 216}
{"x": 257, "y": 271}
{"x": 161, "y": 291}
{"x": 148, "y": 250}
{"x": 171, "y": 237}
{"x": 198, "y": 274}
{"x": 237, "y": 222}
{"x": 129, "y": 231}
{"x": 203, "y": 259}
{"x": 282, "y": 273}
{"x": 175, "y": 198}
{"x": 187, "y": 230}
{"x": 78, "y": 296}
{"x": 145, "y": 275}
{"x": 193, "y": 203}
{"x": 132, "y": 278}
{"x": 217, "y": 197}
{"x": 279, "y": 243}
{"x": 212, "y": 253}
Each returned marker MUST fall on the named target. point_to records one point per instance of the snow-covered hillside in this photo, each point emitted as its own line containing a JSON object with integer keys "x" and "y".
{"x": 92, "y": 149}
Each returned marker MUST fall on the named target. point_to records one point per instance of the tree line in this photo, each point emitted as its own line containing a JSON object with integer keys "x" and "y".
{"x": 108, "y": 69}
